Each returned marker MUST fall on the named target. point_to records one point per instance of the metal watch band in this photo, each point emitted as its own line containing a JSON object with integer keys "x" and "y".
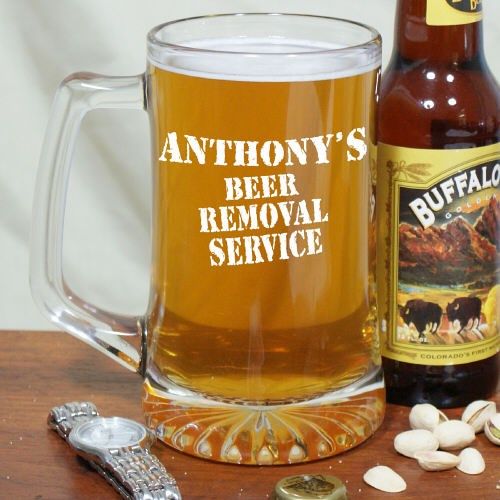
{"x": 141, "y": 474}
{"x": 64, "y": 418}
{"x": 133, "y": 471}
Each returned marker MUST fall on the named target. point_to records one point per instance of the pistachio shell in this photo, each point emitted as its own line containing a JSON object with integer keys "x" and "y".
{"x": 426, "y": 416}
{"x": 478, "y": 412}
{"x": 492, "y": 429}
{"x": 454, "y": 435}
{"x": 409, "y": 442}
{"x": 436, "y": 460}
{"x": 471, "y": 461}
{"x": 383, "y": 478}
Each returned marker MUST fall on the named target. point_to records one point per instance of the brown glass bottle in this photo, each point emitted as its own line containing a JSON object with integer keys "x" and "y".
{"x": 438, "y": 93}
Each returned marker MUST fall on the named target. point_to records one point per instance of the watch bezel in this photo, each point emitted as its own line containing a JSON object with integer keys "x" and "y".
{"x": 85, "y": 449}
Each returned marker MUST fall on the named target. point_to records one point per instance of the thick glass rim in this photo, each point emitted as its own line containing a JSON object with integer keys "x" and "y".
{"x": 375, "y": 38}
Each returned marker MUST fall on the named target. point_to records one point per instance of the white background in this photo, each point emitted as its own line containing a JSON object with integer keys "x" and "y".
{"x": 107, "y": 225}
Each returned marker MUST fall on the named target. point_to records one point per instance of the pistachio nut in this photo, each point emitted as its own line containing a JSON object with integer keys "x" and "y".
{"x": 471, "y": 461}
{"x": 436, "y": 460}
{"x": 492, "y": 429}
{"x": 426, "y": 416}
{"x": 383, "y": 478}
{"x": 409, "y": 442}
{"x": 478, "y": 412}
{"x": 454, "y": 435}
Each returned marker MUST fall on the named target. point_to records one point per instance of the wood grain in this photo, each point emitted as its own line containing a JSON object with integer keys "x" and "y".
{"x": 39, "y": 370}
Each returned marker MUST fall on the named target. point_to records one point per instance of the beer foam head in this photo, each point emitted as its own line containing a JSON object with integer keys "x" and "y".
{"x": 272, "y": 57}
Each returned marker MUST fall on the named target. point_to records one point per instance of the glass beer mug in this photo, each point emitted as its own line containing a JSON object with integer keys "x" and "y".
{"x": 259, "y": 345}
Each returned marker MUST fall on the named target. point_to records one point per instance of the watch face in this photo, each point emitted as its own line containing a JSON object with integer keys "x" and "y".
{"x": 106, "y": 433}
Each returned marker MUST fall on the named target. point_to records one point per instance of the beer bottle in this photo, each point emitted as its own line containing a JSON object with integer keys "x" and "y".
{"x": 438, "y": 208}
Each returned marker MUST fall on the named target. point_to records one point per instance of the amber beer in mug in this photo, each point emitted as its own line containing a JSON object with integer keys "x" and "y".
{"x": 260, "y": 343}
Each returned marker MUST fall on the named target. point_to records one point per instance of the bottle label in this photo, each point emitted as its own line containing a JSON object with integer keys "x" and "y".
{"x": 438, "y": 263}
{"x": 453, "y": 12}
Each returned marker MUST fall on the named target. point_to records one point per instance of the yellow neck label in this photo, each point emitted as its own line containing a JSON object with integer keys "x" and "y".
{"x": 453, "y": 12}
{"x": 438, "y": 259}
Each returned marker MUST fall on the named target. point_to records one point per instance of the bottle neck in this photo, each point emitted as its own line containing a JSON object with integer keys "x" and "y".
{"x": 416, "y": 40}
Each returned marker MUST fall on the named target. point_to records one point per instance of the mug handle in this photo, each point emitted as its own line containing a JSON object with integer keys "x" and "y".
{"x": 77, "y": 94}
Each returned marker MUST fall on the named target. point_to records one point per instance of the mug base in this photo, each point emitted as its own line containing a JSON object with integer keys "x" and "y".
{"x": 271, "y": 434}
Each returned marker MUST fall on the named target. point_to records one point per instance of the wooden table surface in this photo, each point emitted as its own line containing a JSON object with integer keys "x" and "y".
{"x": 39, "y": 370}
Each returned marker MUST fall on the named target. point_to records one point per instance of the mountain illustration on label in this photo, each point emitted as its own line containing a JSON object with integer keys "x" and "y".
{"x": 447, "y": 274}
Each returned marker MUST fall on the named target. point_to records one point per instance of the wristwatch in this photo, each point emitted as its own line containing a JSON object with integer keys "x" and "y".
{"x": 117, "y": 448}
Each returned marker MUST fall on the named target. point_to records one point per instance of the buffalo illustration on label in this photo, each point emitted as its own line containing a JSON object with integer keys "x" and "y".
{"x": 464, "y": 310}
{"x": 422, "y": 315}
